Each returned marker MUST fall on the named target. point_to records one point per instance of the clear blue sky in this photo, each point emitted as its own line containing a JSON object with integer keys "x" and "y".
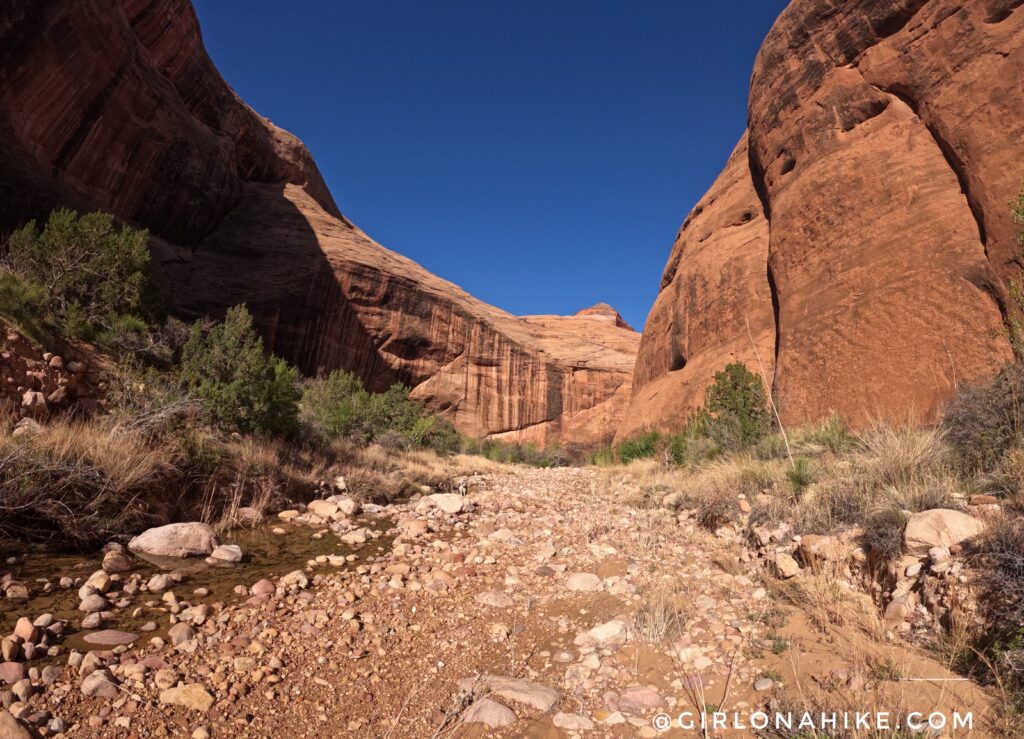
{"x": 539, "y": 153}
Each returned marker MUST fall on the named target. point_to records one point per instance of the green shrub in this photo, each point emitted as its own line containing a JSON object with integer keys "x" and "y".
{"x": 802, "y": 474}
{"x": 985, "y": 420}
{"x": 738, "y": 408}
{"x": 339, "y": 406}
{"x": 832, "y": 435}
{"x": 644, "y": 446}
{"x": 239, "y": 385}
{"x": 91, "y": 272}
{"x": 26, "y": 303}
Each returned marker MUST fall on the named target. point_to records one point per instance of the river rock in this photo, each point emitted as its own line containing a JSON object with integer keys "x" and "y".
{"x": 583, "y": 582}
{"x": 192, "y": 696}
{"x": 356, "y": 538}
{"x": 323, "y": 508}
{"x": 180, "y": 633}
{"x": 785, "y": 566}
{"x": 26, "y": 630}
{"x": 450, "y": 503}
{"x": 110, "y": 638}
{"x": 515, "y": 689}
{"x": 176, "y": 540}
{"x": 494, "y": 599}
{"x": 93, "y": 604}
{"x": 490, "y": 713}
{"x": 295, "y": 581}
{"x": 10, "y": 728}
{"x": 263, "y": 587}
{"x": 603, "y": 635}
{"x": 572, "y": 722}
{"x": 11, "y": 672}
{"x": 938, "y": 528}
{"x": 100, "y": 684}
{"x": 116, "y": 562}
{"x": 227, "y": 553}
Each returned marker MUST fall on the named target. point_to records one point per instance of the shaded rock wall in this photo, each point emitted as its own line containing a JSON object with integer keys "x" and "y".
{"x": 114, "y": 104}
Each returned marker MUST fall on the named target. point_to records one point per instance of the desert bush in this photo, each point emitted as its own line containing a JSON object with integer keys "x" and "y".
{"x": 986, "y": 420}
{"x": 643, "y": 446}
{"x": 26, "y": 303}
{"x": 339, "y": 406}
{"x": 239, "y": 385}
{"x": 738, "y": 408}
{"x": 88, "y": 275}
{"x": 883, "y": 533}
{"x": 831, "y": 435}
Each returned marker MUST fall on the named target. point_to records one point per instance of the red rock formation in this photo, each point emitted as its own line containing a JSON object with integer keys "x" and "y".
{"x": 114, "y": 104}
{"x": 715, "y": 283}
{"x": 883, "y": 137}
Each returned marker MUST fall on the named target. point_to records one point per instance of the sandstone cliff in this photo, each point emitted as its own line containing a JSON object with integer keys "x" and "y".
{"x": 885, "y": 138}
{"x": 114, "y": 104}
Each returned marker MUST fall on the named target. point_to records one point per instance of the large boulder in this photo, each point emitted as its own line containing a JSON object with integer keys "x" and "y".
{"x": 10, "y": 728}
{"x": 176, "y": 540}
{"x": 938, "y": 528}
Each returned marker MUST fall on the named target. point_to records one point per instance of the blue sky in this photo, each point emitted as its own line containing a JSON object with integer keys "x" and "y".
{"x": 539, "y": 153}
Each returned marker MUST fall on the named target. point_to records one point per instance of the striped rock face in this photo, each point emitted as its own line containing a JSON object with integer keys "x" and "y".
{"x": 115, "y": 105}
{"x": 861, "y": 228}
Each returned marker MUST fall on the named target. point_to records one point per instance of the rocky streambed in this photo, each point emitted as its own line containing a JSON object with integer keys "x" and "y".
{"x": 543, "y": 603}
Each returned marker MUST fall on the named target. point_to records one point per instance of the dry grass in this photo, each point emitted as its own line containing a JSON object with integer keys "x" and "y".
{"x": 82, "y": 483}
{"x": 660, "y": 618}
{"x": 78, "y": 482}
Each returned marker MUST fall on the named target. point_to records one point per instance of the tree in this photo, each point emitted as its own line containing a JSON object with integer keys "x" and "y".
{"x": 738, "y": 408}
{"x": 240, "y": 386}
{"x": 92, "y": 272}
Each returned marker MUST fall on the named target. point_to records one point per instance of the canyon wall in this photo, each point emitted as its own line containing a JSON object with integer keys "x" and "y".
{"x": 885, "y": 140}
{"x": 115, "y": 105}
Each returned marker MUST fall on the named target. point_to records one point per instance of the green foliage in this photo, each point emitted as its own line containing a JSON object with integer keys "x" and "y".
{"x": 339, "y": 406}
{"x": 25, "y": 302}
{"x": 738, "y": 408}
{"x": 86, "y": 275}
{"x": 239, "y": 385}
{"x": 678, "y": 449}
{"x": 802, "y": 474}
{"x": 644, "y": 446}
{"x": 734, "y": 417}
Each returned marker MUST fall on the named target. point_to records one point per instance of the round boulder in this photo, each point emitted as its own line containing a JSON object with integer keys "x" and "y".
{"x": 176, "y": 540}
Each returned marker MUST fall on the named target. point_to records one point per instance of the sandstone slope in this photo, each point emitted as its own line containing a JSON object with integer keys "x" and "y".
{"x": 882, "y": 142}
{"x": 114, "y": 104}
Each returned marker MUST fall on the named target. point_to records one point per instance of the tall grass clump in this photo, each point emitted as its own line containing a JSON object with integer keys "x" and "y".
{"x": 986, "y": 420}
{"x": 79, "y": 483}
{"x": 644, "y": 446}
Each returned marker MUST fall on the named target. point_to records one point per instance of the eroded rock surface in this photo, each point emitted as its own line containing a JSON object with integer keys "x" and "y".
{"x": 870, "y": 212}
{"x": 115, "y": 104}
